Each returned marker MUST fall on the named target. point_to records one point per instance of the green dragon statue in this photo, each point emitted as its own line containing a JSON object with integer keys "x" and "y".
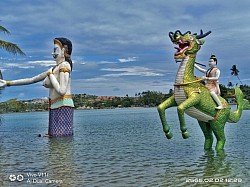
{"x": 193, "y": 98}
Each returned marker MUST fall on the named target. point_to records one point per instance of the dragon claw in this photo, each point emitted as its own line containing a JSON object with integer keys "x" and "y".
{"x": 169, "y": 135}
{"x": 185, "y": 135}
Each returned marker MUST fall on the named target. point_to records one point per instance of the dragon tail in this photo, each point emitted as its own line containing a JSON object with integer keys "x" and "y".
{"x": 242, "y": 104}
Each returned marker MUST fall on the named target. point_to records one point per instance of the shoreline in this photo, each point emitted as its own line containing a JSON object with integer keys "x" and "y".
{"x": 75, "y": 109}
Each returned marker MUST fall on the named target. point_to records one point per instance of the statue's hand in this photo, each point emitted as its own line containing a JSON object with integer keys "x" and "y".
{"x": 2, "y": 83}
{"x": 50, "y": 71}
{"x": 204, "y": 77}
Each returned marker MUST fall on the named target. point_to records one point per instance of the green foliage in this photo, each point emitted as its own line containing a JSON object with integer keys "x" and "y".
{"x": 246, "y": 91}
{"x": 8, "y": 46}
{"x": 147, "y": 98}
{"x": 223, "y": 91}
{"x": 84, "y": 101}
{"x": 14, "y": 105}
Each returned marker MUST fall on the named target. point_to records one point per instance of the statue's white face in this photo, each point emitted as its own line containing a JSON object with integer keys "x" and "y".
{"x": 212, "y": 63}
{"x": 58, "y": 53}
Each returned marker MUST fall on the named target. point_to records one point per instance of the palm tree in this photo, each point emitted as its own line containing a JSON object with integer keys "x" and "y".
{"x": 9, "y": 47}
{"x": 235, "y": 72}
{"x": 230, "y": 85}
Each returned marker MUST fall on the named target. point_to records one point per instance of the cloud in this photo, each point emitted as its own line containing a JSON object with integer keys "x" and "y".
{"x": 107, "y": 62}
{"x": 18, "y": 65}
{"x": 45, "y": 63}
{"x": 119, "y": 87}
{"x": 116, "y": 89}
{"x": 2, "y": 69}
{"x": 95, "y": 79}
{"x": 106, "y": 41}
{"x": 131, "y": 71}
{"x": 21, "y": 95}
{"x": 129, "y": 59}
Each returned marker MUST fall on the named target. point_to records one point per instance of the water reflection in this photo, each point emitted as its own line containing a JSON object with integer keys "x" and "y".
{"x": 211, "y": 168}
{"x": 215, "y": 164}
{"x": 61, "y": 161}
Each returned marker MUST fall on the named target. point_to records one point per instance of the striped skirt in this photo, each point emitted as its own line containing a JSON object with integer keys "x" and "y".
{"x": 61, "y": 121}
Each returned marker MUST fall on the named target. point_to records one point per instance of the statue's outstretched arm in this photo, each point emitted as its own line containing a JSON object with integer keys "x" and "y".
{"x": 25, "y": 81}
{"x": 200, "y": 69}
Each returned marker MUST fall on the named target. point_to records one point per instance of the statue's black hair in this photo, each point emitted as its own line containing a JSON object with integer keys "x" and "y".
{"x": 67, "y": 44}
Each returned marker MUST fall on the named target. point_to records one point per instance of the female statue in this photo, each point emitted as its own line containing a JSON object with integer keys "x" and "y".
{"x": 57, "y": 80}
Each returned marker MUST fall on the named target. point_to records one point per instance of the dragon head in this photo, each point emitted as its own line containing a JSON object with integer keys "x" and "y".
{"x": 187, "y": 43}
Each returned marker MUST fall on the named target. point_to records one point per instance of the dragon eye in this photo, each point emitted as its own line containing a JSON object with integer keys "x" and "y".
{"x": 191, "y": 38}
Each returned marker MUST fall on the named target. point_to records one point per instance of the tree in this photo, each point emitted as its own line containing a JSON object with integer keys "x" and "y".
{"x": 223, "y": 91}
{"x": 9, "y": 47}
{"x": 235, "y": 72}
{"x": 230, "y": 85}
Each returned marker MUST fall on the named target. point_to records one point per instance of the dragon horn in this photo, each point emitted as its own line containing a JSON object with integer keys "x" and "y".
{"x": 171, "y": 36}
{"x": 201, "y": 35}
{"x": 188, "y": 32}
{"x": 178, "y": 32}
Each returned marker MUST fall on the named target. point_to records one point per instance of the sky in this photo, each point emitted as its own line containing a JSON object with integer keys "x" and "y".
{"x": 120, "y": 47}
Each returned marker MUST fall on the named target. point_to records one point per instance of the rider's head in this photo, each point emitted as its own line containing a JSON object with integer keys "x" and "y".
{"x": 212, "y": 61}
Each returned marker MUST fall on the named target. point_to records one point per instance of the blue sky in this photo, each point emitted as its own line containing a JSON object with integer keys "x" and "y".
{"x": 120, "y": 47}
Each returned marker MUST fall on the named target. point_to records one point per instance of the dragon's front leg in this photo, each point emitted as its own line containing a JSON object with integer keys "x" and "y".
{"x": 191, "y": 101}
{"x": 170, "y": 102}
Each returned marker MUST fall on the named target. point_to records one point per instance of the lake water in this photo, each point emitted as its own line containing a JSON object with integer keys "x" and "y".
{"x": 120, "y": 148}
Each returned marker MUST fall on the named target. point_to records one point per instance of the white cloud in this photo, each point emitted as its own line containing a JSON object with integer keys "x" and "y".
{"x": 131, "y": 71}
{"x": 20, "y": 95}
{"x": 2, "y": 70}
{"x": 97, "y": 62}
{"x": 45, "y": 63}
{"x": 95, "y": 79}
{"x": 18, "y": 65}
{"x": 107, "y": 62}
{"x": 119, "y": 87}
{"x": 129, "y": 59}
{"x": 139, "y": 31}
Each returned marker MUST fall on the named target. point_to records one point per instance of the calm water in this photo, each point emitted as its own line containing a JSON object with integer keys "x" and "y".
{"x": 120, "y": 147}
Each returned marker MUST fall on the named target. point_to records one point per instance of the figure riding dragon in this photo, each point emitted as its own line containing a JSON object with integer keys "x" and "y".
{"x": 193, "y": 98}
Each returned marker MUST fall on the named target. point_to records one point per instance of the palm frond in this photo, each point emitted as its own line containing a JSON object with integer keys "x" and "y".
{"x": 4, "y": 30}
{"x": 234, "y": 70}
{"x": 11, "y": 48}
